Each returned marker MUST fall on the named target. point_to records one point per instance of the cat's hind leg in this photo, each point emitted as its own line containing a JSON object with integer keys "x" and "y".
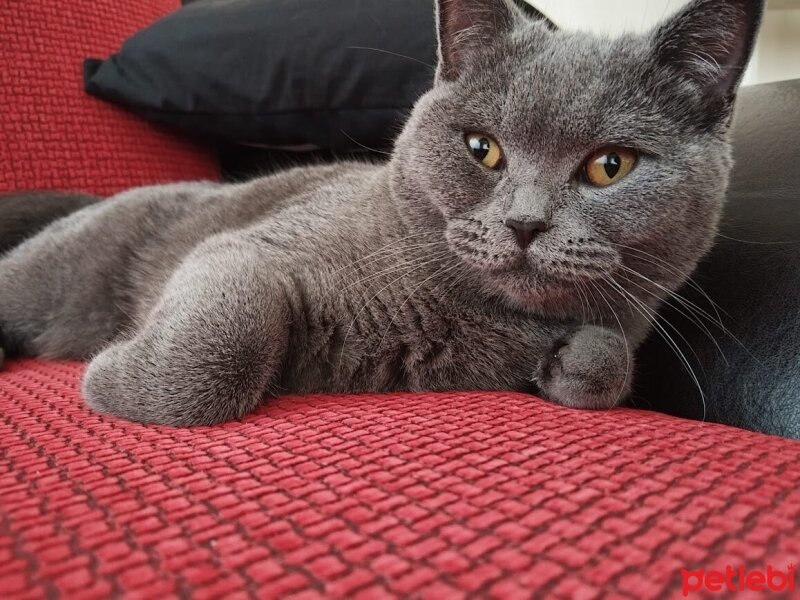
{"x": 209, "y": 350}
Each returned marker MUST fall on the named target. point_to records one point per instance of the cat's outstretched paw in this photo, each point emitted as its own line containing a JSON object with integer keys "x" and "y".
{"x": 179, "y": 385}
{"x": 130, "y": 381}
{"x": 590, "y": 368}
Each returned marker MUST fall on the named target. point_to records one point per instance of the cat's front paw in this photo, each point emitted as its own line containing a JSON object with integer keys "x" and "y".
{"x": 590, "y": 368}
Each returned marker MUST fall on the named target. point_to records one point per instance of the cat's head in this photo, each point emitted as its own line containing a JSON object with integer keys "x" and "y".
{"x": 555, "y": 161}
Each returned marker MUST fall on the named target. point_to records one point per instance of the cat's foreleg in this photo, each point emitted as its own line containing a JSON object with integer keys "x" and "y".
{"x": 591, "y": 367}
{"x": 209, "y": 350}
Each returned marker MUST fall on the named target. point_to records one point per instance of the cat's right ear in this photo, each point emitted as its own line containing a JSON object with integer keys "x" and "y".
{"x": 709, "y": 43}
{"x": 467, "y": 26}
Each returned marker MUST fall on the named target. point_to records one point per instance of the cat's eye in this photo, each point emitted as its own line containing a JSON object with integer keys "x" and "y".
{"x": 485, "y": 149}
{"x": 609, "y": 165}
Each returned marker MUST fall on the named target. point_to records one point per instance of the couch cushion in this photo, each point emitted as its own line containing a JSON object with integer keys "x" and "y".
{"x": 428, "y": 495}
{"x": 750, "y": 371}
{"x": 296, "y": 73}
{"x": 54, "y": 135}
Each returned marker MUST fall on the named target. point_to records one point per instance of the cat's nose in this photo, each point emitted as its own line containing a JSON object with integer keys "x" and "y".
{"x": 526, "y": 231}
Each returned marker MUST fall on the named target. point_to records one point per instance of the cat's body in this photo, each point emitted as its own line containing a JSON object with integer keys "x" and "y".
{"x": 429, "y": 272}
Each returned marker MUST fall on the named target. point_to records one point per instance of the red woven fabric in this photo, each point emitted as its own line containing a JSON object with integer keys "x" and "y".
{"x": 52, "y": 134}
{"x": 429, "y": 495}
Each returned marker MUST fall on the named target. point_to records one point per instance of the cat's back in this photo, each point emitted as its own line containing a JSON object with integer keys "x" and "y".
{"x": 268, "y": 195}
{"x": 207, "y": 208}
{"x": 175, "y": 220}
{"x": 289, "y": 204}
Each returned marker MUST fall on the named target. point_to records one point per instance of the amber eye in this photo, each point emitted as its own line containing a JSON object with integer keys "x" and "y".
{"x": 485, "y": 150}
{"x": 607, "y": 166}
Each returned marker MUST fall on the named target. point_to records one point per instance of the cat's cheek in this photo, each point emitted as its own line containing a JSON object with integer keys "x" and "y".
{"x": 623, "y": 215}
{"x": 476, "y": 243}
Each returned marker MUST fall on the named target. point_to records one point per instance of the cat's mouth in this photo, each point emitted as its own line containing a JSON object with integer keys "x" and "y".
{"x": 551, "y": 268}
{"x": 551, "y": 280}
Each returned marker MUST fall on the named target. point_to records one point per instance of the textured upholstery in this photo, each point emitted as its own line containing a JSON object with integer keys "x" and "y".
{"x": 428, "y": 495}
{"x": 54, "y": 136}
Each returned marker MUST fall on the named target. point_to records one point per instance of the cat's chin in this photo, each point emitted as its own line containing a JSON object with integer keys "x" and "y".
{"x": 533, "y": 286}
{"x": 542, "y": 293}
{"x": 556, "y": 305}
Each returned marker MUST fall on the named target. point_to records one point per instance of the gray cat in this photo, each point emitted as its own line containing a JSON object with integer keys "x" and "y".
{"x": 542, "y": 200}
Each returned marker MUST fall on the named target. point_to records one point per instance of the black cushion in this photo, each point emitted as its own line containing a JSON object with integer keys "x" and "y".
{"x": 337, "y": 75}
{"x": 752, "y": 379}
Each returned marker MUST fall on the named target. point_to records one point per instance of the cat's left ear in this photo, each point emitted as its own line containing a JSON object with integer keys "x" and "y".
{"x": 709, "y": 42}
{"x": 467, "y": 26}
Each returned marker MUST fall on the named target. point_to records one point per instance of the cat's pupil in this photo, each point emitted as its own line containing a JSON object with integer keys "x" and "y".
{"x": 480, "y": 147}
{"x": 613, "y": 165}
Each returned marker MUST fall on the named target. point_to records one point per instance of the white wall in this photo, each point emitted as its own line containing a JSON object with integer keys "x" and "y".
{"x": 777, "y": 55}
{"x": 778, "y": 51}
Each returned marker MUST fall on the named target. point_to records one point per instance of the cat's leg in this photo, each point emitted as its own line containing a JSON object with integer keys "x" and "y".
{"x": 592, "y": 367}
{"x": 64, "y": 291}
{"x": 209, "y": 350}
{"x": 57, "y": 300}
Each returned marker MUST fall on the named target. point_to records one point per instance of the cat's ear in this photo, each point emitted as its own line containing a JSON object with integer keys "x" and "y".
{"x": 710, "y": 42}
{"x": 466, "y": 26}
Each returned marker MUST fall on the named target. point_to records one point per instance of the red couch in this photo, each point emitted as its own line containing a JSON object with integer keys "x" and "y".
{"x": 404, "y": 495}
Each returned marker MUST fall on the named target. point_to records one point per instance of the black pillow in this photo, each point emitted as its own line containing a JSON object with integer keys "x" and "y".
{"x": 339, "y": 75}
{"x": 285, "y": 73}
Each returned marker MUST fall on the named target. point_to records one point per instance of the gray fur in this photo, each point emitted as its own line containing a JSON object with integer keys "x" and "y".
{"x": 26, "y": 214}
{"x": 196, "y": 300}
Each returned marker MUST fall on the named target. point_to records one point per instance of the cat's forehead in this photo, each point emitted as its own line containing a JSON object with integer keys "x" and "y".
{"x": 568, "y": 65}
{"x": 569, "y": 87}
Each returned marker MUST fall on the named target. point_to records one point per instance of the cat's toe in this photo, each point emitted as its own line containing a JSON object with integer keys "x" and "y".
{"x": 112, "y": 385}
{"x": 101, "y": 383}
{"x": 590, "y": 369}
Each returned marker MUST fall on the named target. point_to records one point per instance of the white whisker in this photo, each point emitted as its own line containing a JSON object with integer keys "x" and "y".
{"x": 438, "y": 273}
{"x": 394, "y": 268}
{"x": 690, "y": 316}
{"x": 380, "y": 250}
{"x": 694, "y": 316}
{"x": 627, "y": 347}
{"x": 786, "y": 243}
{"x": 661, "y": 263}
{"x": 650, "y": 316}
{"x": 413, "y": 269}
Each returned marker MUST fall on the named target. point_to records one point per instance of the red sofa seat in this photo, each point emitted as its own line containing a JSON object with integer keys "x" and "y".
{"x": 402, "y": 495}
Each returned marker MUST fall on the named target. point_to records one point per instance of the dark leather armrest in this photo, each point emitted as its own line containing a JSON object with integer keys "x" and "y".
{"x": 753, "y": 275}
